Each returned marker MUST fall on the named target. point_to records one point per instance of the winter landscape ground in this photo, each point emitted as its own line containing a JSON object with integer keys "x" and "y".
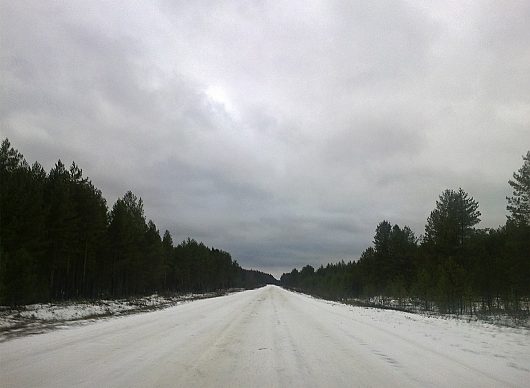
{"x": 270, "y": 337}
{"x": 42, "y": 317}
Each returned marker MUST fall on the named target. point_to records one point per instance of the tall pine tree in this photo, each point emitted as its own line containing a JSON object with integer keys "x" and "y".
{"x": 452, "y": 221}
{"x": 519, "y": 202}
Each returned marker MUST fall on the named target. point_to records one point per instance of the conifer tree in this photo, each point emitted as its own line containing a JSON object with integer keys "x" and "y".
{"x": 519, "y": 202}
{"x": 452, "y": 221}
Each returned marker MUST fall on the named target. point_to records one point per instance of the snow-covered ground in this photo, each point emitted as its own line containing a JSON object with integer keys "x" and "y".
{"x": 40, "y": 316}
{"x": 498, "y": 315}
{"x": 270, "y": 337}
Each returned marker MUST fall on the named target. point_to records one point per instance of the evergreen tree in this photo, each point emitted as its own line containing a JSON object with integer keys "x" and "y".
{"x": 62, "y": 227}
{"x": 519, "y": 202}
{"x": 152, "y": 271}
{"x": 168, "y": 265}
{"x": 452, "y": 221}
{"x": 126, "y": 234}
{"x": 402, "y": 249}
{"x": 382, "y": 238}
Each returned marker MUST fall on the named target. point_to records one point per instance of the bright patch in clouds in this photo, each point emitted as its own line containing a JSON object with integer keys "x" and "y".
{"x": 218, "y": 95}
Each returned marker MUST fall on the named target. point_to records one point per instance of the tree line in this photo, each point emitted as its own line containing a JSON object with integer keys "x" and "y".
{"x": 59, "y": 240}
{"x": 454, "y": 267}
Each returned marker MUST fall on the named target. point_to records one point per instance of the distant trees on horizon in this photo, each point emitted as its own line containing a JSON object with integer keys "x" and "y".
{"x": 453, "y": 267}
{"x": 58, "y": 240}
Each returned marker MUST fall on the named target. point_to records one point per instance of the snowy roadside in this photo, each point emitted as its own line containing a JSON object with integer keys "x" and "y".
{"x": 413, "y": 307}
{"x": 409, "y": 305}
{"x": 42, "y": 317}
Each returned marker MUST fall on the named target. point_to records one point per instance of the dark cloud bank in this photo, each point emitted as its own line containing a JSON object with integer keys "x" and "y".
{"x": 280, "y": 131}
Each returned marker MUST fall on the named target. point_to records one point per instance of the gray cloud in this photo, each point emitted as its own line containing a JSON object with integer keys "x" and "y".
{"x": 280, "y": 131}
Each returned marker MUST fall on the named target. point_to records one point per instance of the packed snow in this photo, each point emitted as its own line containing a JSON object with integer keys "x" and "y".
{"x": 270, "y": 337}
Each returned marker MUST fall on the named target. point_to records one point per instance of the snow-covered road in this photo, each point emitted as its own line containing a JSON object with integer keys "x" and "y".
{"x": 270, "y": 337}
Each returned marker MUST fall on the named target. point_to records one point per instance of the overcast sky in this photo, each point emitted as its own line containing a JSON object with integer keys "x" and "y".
{"x": 281, "y": 131}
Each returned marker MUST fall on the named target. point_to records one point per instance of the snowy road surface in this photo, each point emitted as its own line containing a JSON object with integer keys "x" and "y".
{"x": 270, "y": 337}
